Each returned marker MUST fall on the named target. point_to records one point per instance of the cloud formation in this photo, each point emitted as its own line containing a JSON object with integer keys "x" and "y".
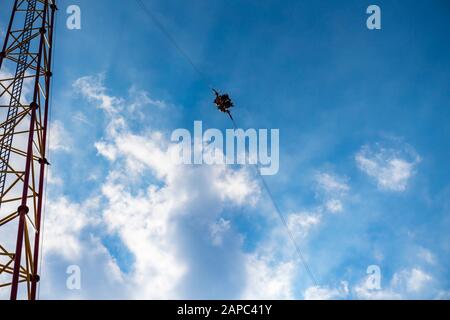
{"x": 392, "y": 168}
{"x": 332, "y": 189}
{"x": 143, "y": 202}
{"x": 164, "y": 230}
{"x": 405, "y": 284}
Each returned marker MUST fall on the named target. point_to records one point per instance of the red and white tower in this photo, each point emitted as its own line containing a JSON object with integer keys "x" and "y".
{"x": 25, "y": 78}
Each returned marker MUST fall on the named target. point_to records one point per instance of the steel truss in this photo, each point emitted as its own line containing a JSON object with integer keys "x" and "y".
{"x": 25, "y": 76}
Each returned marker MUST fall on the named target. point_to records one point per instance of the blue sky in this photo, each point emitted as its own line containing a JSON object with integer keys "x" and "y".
{"x": 364, "y": 176}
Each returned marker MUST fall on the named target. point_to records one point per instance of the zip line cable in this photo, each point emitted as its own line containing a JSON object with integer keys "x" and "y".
{"x": 286, "y": 225}
{"x": 283, "y": 219}
{"x": 47, "y": 170}
{"x": 204, "y": 78}
{"x": 174, "y": 42}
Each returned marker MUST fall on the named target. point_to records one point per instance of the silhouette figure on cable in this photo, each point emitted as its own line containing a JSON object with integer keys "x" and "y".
{"x": 223, "y": 103}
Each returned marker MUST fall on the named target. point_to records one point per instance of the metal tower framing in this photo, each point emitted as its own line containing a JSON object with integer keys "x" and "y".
{"x": 25, "y": 73}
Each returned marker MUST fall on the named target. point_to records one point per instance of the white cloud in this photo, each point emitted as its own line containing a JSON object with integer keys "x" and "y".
{"x": 141, "y": 98}
{"x": 426, "y": 255}
{"x": 333, "y": 190}
{"x": 272, "y": 269}
{"x": 334, "y": 206}
{"x": 362, "y": 292}
{"x": 218, "y": 230}
{"x": 443, "y": 295}
{"x": 92, "y": 88}
{"x": 326, "y": 293}
{"x": 53, "y": 180}
{"x": 150, "y": 223}
{"x": 405, "y": 284}
{"x": 59, "y": 138}
{"x": 144, "y": 224}
{"x": 414, "y": 280}
{"x": 300, "y": 224}
{"x": 64, "y": 223}
{"x": 106, "y": 150}
{"x": 391, "y": 168}
{"x": 143, "y": 201}
{"x": 268, "y": 279}
{"x": 331, "y": 183}
{"x": 81, "y": 118}
{"x": 237, "y": 186}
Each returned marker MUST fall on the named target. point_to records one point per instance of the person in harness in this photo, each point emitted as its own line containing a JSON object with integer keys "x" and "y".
{"x": 223, "y": 103}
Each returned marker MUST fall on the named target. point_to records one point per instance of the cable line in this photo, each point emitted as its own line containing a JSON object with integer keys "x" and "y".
{"x": 204, "y": 78}
{"x": 283, "y": 219}
{"x": 174, "y": 42}
{"x": 47, "y": 169}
